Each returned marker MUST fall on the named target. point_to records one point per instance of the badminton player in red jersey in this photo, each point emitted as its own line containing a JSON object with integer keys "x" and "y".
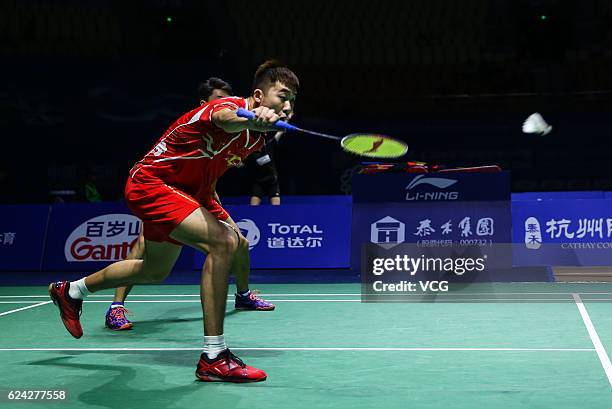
{"x": 172, "y": 190}
{"x": 115, "y": 317}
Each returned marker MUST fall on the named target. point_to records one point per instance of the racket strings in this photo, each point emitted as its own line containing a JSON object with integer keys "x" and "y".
{"x": 374, "y": 145}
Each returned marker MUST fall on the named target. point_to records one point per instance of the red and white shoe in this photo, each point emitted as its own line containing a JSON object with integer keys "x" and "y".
{"x": 227, "y": 367}
{"x": 70, "y": 309}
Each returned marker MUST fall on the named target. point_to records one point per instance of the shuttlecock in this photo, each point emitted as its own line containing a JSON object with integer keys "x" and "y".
{"x": 536, "y": 124}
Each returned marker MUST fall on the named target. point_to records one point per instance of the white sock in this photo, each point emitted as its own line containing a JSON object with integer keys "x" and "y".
{"x": 213, "y": 345}
{"x": 244, "y": 293}
{"x": 78, "y": 290}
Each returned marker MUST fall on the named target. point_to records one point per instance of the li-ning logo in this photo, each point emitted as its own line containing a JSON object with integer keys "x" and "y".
{"x": 440, "y": 183}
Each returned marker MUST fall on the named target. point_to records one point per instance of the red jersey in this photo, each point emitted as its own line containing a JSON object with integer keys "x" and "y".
{"x": 193, "y": 153}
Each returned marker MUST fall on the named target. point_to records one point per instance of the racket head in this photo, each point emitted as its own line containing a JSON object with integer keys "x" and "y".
{"x": 374, "y": 145}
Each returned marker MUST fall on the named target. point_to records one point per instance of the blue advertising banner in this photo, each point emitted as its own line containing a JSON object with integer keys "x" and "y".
{"x": 558, "y": 195}
{"x": 562, "y": 232}
{"x": 431, "y": 187}
{"x": 87, "y": 237}
{"x": 437, "y": 210}
{"x": 294, "y": 236}
{"x": 22, "y": 236}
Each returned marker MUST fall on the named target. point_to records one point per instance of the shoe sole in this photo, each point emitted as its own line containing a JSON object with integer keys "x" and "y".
{"x": 119, "y": 329}
{"x": 213, "y": 378}
{"x": 57, "y": 304}
{"x": 254, "y": 309}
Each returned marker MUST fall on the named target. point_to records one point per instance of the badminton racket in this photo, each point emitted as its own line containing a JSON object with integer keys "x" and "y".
{"x": 362, "y": 144}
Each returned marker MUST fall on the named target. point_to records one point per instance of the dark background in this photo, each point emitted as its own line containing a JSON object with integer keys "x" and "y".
{"x": 88, "y": 86}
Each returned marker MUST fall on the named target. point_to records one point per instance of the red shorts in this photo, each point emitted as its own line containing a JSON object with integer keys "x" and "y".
{"x": 161, "y": 207}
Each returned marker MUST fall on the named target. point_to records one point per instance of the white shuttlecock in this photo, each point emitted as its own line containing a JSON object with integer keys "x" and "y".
{"x": 536, "y": 124}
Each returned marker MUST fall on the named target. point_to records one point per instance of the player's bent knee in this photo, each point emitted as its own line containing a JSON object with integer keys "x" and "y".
{"x": 223, "y": 242}
{"x": 153, "y": 272}
{"x": 154, "y": 276}
{"x": 226, "y": 243}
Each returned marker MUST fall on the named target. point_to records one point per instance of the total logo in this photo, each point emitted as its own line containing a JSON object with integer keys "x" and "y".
{"x": 435, "y": 182}
{"x": 277, "y": 228}
{"x": 103, "y": 238}
{"x": 250, "y": 231}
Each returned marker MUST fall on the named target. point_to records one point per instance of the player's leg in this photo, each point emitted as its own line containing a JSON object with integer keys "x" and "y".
{"x": 159, "y": 258}
{"x": 257, "y": 191}
{"x": 241, "y": 265}
{"x": 245, "y": 299}
{"x": 204, "y": 232}
{"x": 272, "y": 184}
{"x": 137, "y": 253}
{"x": 115, "y": 317}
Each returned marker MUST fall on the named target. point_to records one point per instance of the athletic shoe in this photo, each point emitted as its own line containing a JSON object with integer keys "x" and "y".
{"x": 252, "y": 302}
{"x": 70, "y": 309}
{"x": 227, "y": 367}
{"x": 116, "y": 320}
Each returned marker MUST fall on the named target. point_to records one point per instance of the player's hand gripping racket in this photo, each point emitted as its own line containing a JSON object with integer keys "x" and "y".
{"x": 363, "y": 144}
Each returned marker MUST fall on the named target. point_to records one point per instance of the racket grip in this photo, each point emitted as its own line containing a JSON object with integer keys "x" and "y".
{"x": 282, "y": 125}
{"x": 243, "y": 113}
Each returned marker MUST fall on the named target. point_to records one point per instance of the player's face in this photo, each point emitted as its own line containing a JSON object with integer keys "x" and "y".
{"x": 281, "y": 99}
{"x": 218, "y": 93}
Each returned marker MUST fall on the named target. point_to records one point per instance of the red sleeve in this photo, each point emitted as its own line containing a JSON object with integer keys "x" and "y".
{"x": 232, "y": 103}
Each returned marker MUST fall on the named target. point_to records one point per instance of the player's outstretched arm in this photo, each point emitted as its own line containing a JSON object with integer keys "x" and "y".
{"x": 264, "y": 121}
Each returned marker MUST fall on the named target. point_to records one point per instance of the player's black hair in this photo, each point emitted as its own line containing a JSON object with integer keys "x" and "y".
{"x": 272, "y": 71}
{"x": 206, "y": 88}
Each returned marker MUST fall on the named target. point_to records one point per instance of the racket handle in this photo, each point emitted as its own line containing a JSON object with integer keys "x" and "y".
{"x": 282, "y": 125}
{"x": 243, "y": 113}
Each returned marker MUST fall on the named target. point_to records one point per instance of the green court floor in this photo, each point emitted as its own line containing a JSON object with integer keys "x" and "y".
{"x": 322, "y": 348}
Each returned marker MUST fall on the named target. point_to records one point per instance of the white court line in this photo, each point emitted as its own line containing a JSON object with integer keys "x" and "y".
{"x": 601, "y": 351}
{"x": 320, "y": 294}
{"x": 310, "y": 349}
{"x": 372, "y": 298}
{"x": 193, "y": 295}
{"x": 198, "y": 301}
{"x": 597, "y": 299}
{"x": 371, "y": 301}
{"x": 259, "y": 294}
{"x": 24, "y": 308}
